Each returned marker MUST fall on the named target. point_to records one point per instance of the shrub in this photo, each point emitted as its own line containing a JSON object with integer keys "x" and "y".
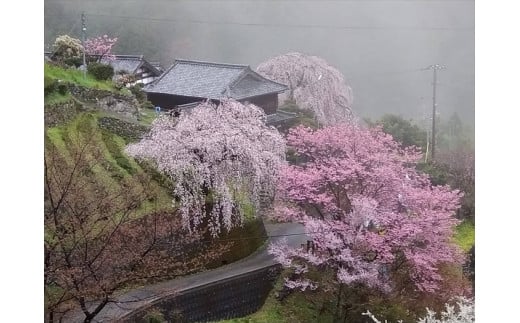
{"x": 100, "y": 71}
{"x": 49, "y": 85}
{"x": 154, "y": 316}
{"x": 147, "y": 105}
{"x": 123, "y": 80}
{"x": 73, "y": 61}
{"x": 137, "y": 91}
{"x": 62, "y": 88}
{"x": 469, "y": 267}
{"x": 303, "y": 117}
{"x": 124, "y": 163}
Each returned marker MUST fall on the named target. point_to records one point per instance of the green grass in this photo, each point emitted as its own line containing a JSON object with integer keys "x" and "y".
{"x": 56, "y": 97}
{"x": 147, "y": 117}
{"x": 465, "y": 235}
{"x": 126, "y": 91}
{"x": 55, "y": 135}
{"x": 271, "y": 311}
{"x": 115, "y": 167}
{"x": 245, "y": 204}
{"x": 296, "y": 308}
{"x": 76, "y": 77}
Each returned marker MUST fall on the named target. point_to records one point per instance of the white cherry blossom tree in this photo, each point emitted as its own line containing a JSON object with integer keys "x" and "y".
{"x": 220, "y": 157}
{"x": 313, "y": 84}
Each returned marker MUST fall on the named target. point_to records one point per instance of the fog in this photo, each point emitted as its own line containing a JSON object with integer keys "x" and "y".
{"x": 381, "y": 47}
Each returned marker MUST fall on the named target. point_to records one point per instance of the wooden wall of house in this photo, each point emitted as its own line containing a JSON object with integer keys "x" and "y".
{"x": 168, "y": 101}
{"x": 268, "y": 102}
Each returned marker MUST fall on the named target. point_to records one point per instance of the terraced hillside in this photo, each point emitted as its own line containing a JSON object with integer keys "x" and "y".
{"x": 115, "y": 167}
{"x": 88, "y": 123}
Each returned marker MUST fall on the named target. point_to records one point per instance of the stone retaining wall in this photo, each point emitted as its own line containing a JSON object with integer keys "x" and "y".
{"x": 126, "y": 105}
{"x": 132, "y": 132}
{"x": 60, "y": 113}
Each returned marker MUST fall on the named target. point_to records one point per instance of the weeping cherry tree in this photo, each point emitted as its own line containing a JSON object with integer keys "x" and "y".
{"x": 313, "y": 84}
{"x": 220, "y": 157}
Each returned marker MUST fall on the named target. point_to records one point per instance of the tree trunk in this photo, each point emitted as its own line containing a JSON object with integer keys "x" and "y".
{"x": 337, "y": 311}
{"x": 345, "y": 312}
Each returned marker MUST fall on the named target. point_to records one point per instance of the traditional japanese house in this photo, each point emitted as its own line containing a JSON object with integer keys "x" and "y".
{"x": 187, "y": 82}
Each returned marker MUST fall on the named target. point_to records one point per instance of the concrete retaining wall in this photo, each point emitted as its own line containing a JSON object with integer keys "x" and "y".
{"x": 229, "y": 298}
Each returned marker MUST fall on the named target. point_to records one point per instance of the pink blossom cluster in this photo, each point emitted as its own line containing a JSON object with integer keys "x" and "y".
{"x": 313, "y": 84}
{"x": 217, "y": 156}
{"x": 101, "y": 47}
{"x": 366, "y": 209}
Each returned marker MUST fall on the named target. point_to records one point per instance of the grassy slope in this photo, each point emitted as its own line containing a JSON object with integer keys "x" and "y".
{"x": 76, "y": 76}
{"x": 147, "y": 116}
{"x": 55, "y": 98}
{"x": 465, "y": 235}
{"x": 115, "y": 167}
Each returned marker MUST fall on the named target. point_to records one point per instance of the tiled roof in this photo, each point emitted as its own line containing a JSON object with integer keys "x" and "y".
{"x": 212, "y": 81}
{"x": 253, "y": 84}
{"x": 158, "y": 66}
{"x": 129, "y": 63}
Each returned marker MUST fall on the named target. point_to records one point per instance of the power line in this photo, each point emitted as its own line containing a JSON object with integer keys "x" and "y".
{"x": 407, "y": 71}
{"x": 277, "y": 1}
{"x": 276, "y": 25}
{"x": 369, "y": 75}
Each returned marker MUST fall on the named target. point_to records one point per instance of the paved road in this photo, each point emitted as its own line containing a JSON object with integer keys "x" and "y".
{"x": 137, "y": 298}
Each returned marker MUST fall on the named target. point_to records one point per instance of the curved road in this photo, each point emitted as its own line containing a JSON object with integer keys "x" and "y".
{"x": 128, "y": 302}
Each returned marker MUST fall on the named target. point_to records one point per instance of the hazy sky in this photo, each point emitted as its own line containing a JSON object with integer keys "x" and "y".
{"x": 379, "y": 45}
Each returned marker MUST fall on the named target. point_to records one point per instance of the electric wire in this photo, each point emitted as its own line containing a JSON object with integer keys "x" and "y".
{"x": 275, "y": 25}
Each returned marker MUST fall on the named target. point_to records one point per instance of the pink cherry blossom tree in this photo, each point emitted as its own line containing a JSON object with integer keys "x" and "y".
{"x": 100, "y": 48}
{"x": 313, "y": 84}
{"x": 220, "y": 158}
{"x": 367, "y": 211}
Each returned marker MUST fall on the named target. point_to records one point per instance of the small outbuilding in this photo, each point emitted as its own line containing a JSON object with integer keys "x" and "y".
{"x": 144, "y": 71}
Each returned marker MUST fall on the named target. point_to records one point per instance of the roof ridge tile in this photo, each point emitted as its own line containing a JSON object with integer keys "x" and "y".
{"x": 196, "y": 62}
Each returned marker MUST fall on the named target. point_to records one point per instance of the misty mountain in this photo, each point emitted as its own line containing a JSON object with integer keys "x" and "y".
{"x": 381, "y": 46}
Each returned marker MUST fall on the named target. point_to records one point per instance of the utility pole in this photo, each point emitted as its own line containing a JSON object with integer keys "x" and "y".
{"x": 84, "y": 36}
{"x": 434, "y": 98}
{"x": 424, "y": 124}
